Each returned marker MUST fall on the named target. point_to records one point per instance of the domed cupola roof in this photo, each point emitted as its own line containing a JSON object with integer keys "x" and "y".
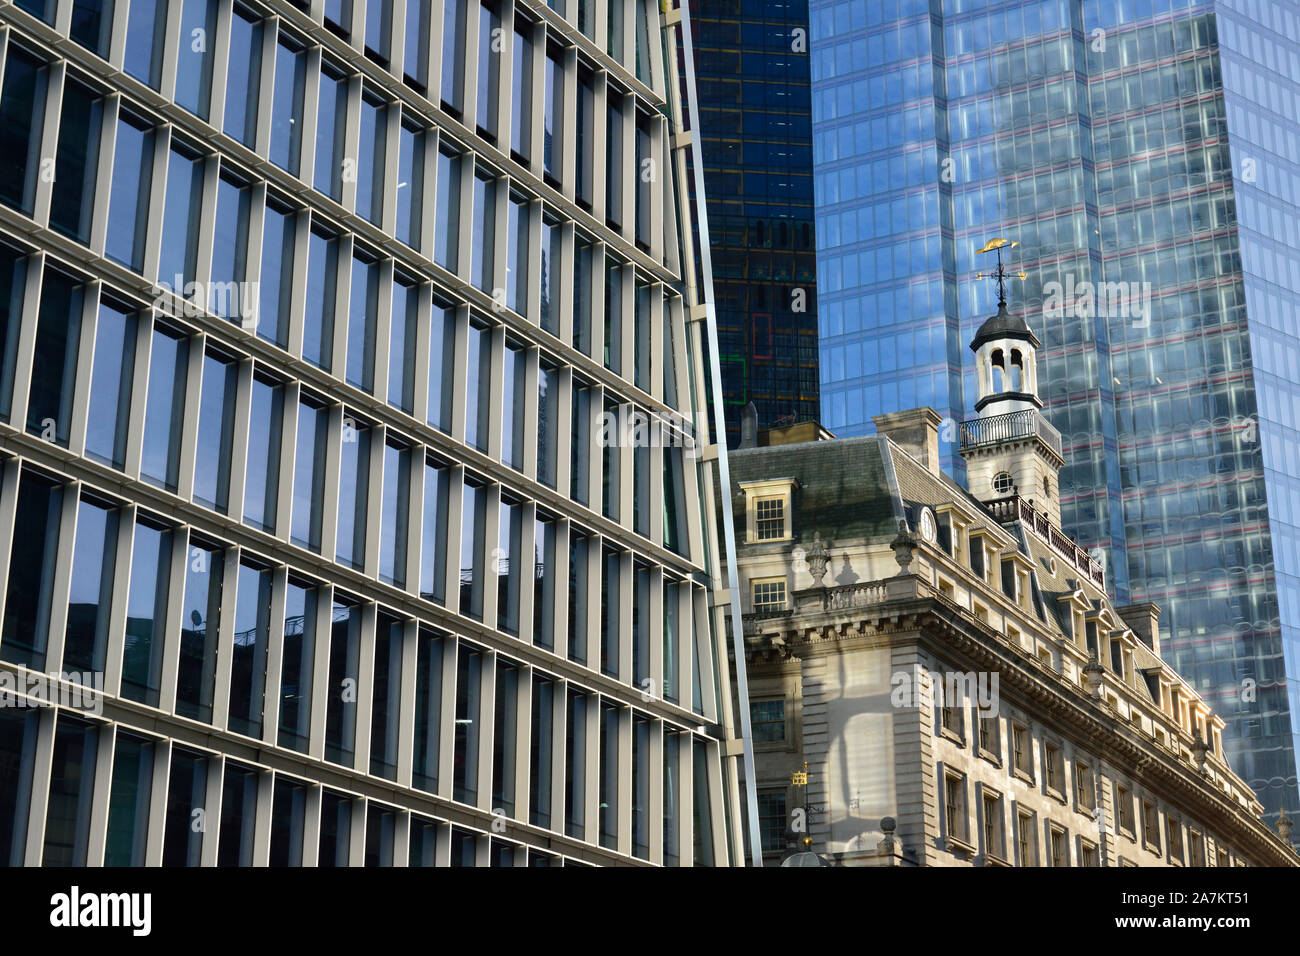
{"x": 1004, "y": 325}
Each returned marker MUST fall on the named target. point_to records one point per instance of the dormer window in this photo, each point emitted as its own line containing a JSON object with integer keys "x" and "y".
{"x": 769, "y": 510}
{"x": 769, "y": 518}
{"x": 952, "y": 529}
{"x": 945, "y": 534}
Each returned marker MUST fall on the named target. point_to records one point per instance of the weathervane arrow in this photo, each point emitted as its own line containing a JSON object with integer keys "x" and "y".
{"x": 1000, "y": 273}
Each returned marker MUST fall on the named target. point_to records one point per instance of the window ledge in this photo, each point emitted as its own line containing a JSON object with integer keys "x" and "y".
{"x": 957, "y": 843}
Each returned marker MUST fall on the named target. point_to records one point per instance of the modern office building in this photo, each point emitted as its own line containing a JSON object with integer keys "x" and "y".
{"x": 751, "y": 67}
{"x": 938, "y": 676}
{"x": 317, "y": 319}
{"x": 1142, "y": 153}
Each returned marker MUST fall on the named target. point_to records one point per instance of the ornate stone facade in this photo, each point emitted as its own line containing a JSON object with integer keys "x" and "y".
{"x": 1059, "y": 736}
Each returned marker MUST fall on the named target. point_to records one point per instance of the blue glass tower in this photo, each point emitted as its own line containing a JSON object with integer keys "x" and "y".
{"x": 751, "y": 66}
{"x": 1142, "y": 153}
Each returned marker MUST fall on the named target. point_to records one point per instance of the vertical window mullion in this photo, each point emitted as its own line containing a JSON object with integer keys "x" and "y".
{"x": 40, "y": 777}
{"x": 117, "y": 611}
{"x": 219, "y": 57}
{"x": 46, "y": 119}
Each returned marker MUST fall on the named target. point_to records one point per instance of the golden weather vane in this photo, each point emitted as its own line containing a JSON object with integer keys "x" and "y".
{"x": 1000, "y": 274}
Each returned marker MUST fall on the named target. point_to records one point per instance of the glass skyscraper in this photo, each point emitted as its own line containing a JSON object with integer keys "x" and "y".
{"x": 751, "y": 67}
{"x": 323, "y": 330}
{"x": 1143, "y": 154}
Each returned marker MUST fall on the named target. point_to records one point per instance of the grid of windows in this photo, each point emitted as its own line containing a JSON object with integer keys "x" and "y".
{"x": 1026, "y": 842}
{"x": 1150, "y": 826}
{"x": 1085, "y": 789}
{"x": 994, "y": 834}
{"x": 1053, "y": 767}
{"x": 1124, "y": 808}
{"x": 952, "y": 715}
{"x": 767, "y": 720}
{"x": 304, "y": 392}
{"x": 769, "y": 518}
{"x": 769, "y": 595}
{"x": 1021, "y": 757}
{"x": 1058, "y": 846}
{"x": 956, "y": 817}
{"x": 1174, "y": 831}
{"x": 773, "y": 819}
{"x": 752, "y": 66}
{"x": 990, "y": 740}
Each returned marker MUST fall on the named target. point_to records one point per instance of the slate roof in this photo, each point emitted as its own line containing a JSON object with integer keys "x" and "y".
{"x": 857, "y": 488}
{"x": 842, "y": 487}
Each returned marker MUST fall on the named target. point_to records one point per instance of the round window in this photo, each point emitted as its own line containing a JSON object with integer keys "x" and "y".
{"x": 1002, "y": 483}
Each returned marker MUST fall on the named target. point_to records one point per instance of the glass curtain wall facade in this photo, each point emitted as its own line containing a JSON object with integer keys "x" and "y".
{"x": 306, "y": 338}
{"x": 1137, "y": 150}
{"x": 751, "y": 68}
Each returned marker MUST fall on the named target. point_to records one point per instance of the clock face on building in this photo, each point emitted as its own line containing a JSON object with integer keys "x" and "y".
{"x": 929, "y": 531}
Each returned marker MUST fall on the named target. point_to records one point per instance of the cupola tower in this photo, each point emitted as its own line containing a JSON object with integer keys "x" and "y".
{"x": 1011, "y": 448}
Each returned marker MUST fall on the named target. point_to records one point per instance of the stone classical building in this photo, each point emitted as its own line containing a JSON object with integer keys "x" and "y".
{"x": 949, "y": 665}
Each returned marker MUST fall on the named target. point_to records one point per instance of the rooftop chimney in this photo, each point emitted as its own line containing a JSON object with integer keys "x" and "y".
{"x": 1143, "y": 619}
{"x": 916, "y": 431}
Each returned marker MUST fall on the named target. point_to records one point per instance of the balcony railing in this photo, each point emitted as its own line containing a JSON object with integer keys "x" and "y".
{"x": 862, "y": 594}
{"x": 1015, "y": 508}
{"x": 1027, "y": 423}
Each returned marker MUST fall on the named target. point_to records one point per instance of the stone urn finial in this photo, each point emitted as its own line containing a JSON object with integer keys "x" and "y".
{"x": 904, "y": 544}
{"x": 1093, "y": 673}
{"x": 817, "y": 560}
{"x": 1284, "y": 825}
